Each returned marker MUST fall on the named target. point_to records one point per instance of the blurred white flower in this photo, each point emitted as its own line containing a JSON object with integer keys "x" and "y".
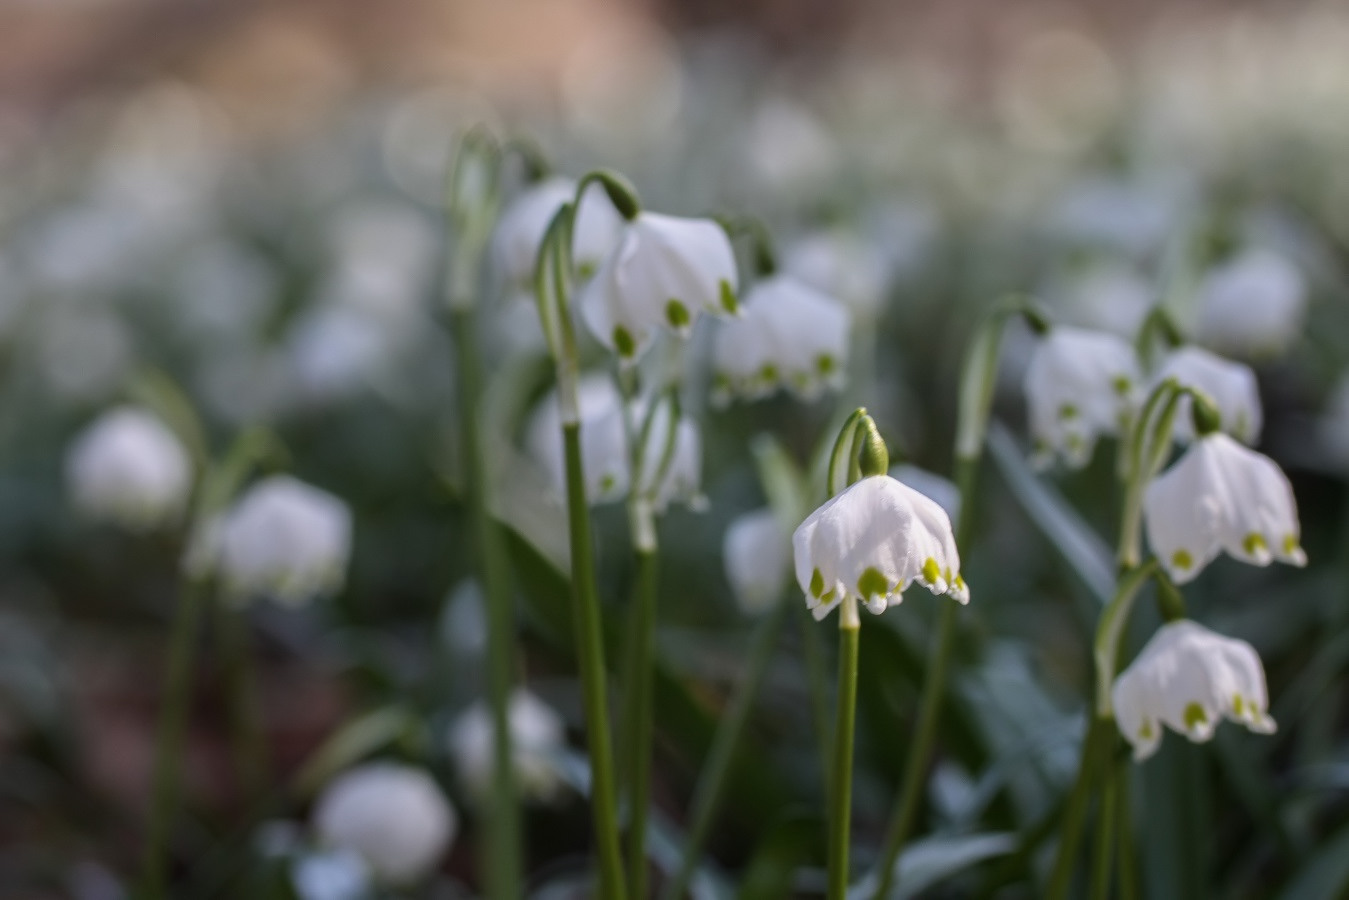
{"x": 789, "y": 335}
{"x": 943, "y": 490}
{"x": 1334, "y": 424}
{"x": 537, "y": 734}
{"x": 394, "y": 816}
{"x": 1221, "y": 496}
{"x": 83, "y": 353}
{"x": 603, "y": 440}
{"x": 681, "y": 480}
{"x": 282, "y": 538}
{"x": 1189, "y": 678}
{"x": 1253, "y": 304}
{"x": 1131, "y": 216}
{"x": 757, "y": 553}
{"x": 786, "y": 149}
{"x": 129, "y": 468}
{"x": 843, "y": 265}
{"x": 663, "y": 272}
{"x": 335, "y": 350}
{"x": 872, "y": 541}
{"x": 1107, "y": 296}
{"x": 331, "y": 875}
{"x": 1230, "y": 385}
{"x": 1079, "y": 385}
{"x": 383, "y": 258}
{"x": 526, "y": 219}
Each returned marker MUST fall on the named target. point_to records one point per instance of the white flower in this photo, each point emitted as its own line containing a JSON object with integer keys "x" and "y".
{"x": 1253, "y": 304}
{"x": 394, "y": 816}
{"x": 1107, "y": 296}
{"x": 1188, "y": 678}
{"x": 664, "y": 271}
{"x": 537, "y": 734}
{"x": 756, "y": 553}
{"x": 1079, "y": 385}
{"x": 1230, "y": 385}
{"x": 1221, "y": 496}
{"x": 331, "y": 875}
{"x": 943, "y": 490}
{"x": 526, "y": 219}
{"x": 282, "y": 538}
{"x": 790, "y": 335}
{"x": 842, "y": 265}
{"x": 604, "y": 454}
{"x": 682, "y": 478}
{"x": 128, "y": 467}
{"x": 870, "y": 542}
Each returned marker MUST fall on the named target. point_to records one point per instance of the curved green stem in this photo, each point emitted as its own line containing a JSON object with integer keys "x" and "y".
{"x": 1110, "y": 630}
{"x": 249, "y": 741}
{"x": 840, "y": 799}
{"x": 178, "y": 679}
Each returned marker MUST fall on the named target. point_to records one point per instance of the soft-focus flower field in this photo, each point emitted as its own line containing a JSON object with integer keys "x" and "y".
{"x": 289, "y": 528}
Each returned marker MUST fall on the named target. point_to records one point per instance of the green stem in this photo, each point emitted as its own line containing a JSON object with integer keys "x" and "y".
{"x": 1126, "y": 874}
{"x": 1101, "y": 857}
{"x": 840, "y": 792}
{"x": 707, "y": 796}
{"x": 1075, "y": 811}
{"x": 503, "y": 845}
{"x": 590, "y": 654}
{"x": 934, "y": 689}
{"x": 178, "y": 678}
{"x": 638, "y": 726}
{"x": 813, "y": 651}
{"x": 249, "y": 743}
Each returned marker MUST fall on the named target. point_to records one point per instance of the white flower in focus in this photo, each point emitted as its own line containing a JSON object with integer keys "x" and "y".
{"x": 282, "y": 538}
{"x": 756, "y": 551}
{"x": 394, "y": 816}
{"x": 604, "y": 454}
{"x": 943, "y": 490}
{"x": 663, "y": 272}
{"x": 526, "y": 219}
{"x": 129, "y": 468}
{"x": 1189, "y": 678}
{"x": 537, "y": 734}
{"x": 1221, "y": 496}
{"x": 1230, "y": 385}
{"x": 790, "y": 335}
{"x": 1251, "y": 305}
{"x": 870, "y": 542}
{"x": 1079, "y": 385}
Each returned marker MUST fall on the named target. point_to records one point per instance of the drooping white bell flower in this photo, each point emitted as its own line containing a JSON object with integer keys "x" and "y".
{"x": 790, "y": 335}
{"x": 395, "y": 816}
{"x": 282, "y": 538}
{"x": 526, "y": 219}
{"x": 1221, "y": 496}
{"x": 1230, "y": 385}
{"x": 870, "y": 542}
{"x": 663, "y": 272}
{"x": 1079, "y": 386}
{"x": 1251, "y": 305}
{"x": 756, "y": 552}
{"x": 129, "y": 468}
{"x": 943, "y": 490}
{"x": 537, "y": 734}
{"x": 604, "y": 454}
{"x": 1189, "y": 678}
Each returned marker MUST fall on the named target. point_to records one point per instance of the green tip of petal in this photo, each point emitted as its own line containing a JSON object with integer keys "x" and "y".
{"x": 1291, "y": 545}
{"x": 1238, "y": 704}
{"x": 1145, "y": 730}
{"x": 1254, "y": 543}
{"x": 1182, "y": 560}
{"x": 1068, "y": 411}
{"x": 872, "y": 582}
{"x": 931, "y": 571}
{"x": 1194, "y": 715}
{"x": 728, "y": 300}
{"x": 816, "y": 584}
{"x": 1122, "y": 385}
{"x": 769, "y": 373}
{"x": 623, "y": 342}
{"x": 825, "y": 364}
{"x": 677, "y": 314}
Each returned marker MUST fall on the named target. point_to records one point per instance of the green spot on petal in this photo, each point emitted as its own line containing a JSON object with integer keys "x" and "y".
{"x": 1121, "y": 385}
{"x": 931, "y": 571}
{"x": 1194, "y": 715}
{"x": 623, "y": 342}
{"x": 1068, "y": 411}
{"x": 677, "y": 314}
{"x": 769, "y": 373}
{"x": 825, "y": 364}
{"x": 1238, "y": 704}
{"x": 1145, "y": 732}
{"x": 1254, "y": 542}
{"x": 816, "y": 584}
{"x": 1291, "y": 545}
{"x": 728, "y": 301}
{"x": 585, "y": 270}
{"x": 1182, "y": 559}
{"x": 872, "y": 582}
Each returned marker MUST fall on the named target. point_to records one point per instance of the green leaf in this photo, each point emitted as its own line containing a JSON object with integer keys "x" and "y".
{"x": 934, "y": 859}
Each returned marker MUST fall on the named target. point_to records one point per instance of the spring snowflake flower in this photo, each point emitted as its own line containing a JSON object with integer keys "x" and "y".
{"x": 1189, "y": 678}
{"x": 394, "y": 816}
{"x": 929, "y": 484}
{"x": 663, "y": 272}
{"x": 790, "y": 335}
{"x": 526, "y": 219}
{"x": 282, "y": 538}
{"x": 872, "y": 541}
{"x": 1230, "y": 385}
{"x": 756, "y": 551}
{"x": 129, "y": 468}
{"x": 1252, "y": 305}
{"x": 1221, "y": 496}
{"x": 537, "y": 735}
{"x": 604, "y": 453}
{"x": 1079, "y": 385}
{"x": 842, "y": 265}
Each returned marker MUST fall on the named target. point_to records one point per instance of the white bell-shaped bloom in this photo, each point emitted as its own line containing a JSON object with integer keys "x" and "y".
{"x": 790, "y": 335}
{"x": 394, "y": 816}
{"x": 943, "y": 490}
{"x": 1221, "y": 496}
{"x": 663, "y": 272}
{"x": 870, "y": 542}
{"x": 1079, "y": 385}
{"x": 1230, "y": 385}
{"x": 1189, "y": 678}
{"x": 1253, "y": 304}
{"x": 757, "y": 554}
{"x": 537, "y": 735}
{"x": 282, "y": 538}
{"x": 129, "y": 468}
{"x": 526, "y": 219}
{"x": 604, "y": 454}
